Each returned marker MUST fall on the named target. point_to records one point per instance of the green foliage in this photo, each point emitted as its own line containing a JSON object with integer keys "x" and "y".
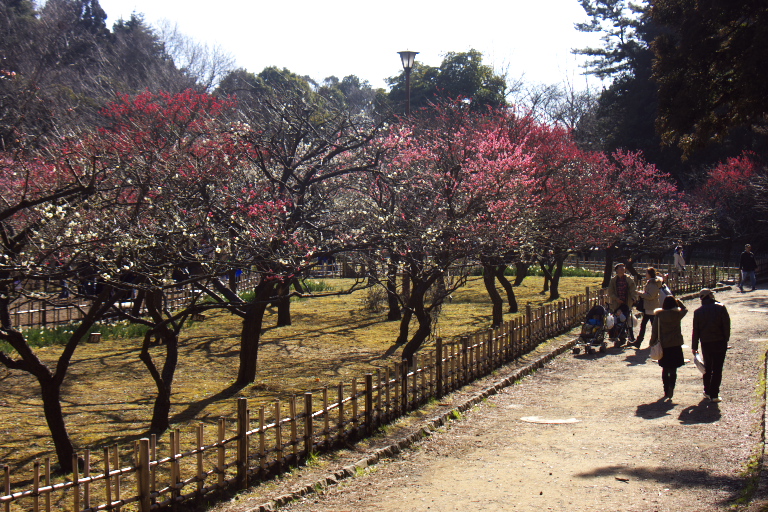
{"x": 461, "y": 75}
{"x": 316, "y": 286}
{"x": 623, "y": 24}
{"x": 710, "y": 69}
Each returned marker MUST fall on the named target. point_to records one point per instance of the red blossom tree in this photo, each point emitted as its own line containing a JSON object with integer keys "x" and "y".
{"x": 732, "y": 191}
{"x": 434, "y": 199}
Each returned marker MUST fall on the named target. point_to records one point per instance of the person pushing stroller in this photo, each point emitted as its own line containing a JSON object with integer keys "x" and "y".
{"x": 622, "y": 294}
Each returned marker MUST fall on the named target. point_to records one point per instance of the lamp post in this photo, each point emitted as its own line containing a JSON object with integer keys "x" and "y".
{"x": 408, "y": 57}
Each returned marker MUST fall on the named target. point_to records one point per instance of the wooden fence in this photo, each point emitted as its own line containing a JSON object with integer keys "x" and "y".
{"x": 256, "y": 445}
{"x": 53, "y": 312}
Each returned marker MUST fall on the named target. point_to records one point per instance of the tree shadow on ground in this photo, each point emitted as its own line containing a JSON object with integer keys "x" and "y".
{"x": 703, "y": 412}
{"x": 194, "y": 408}
{"x": 688, "y": 478}
{"x": 654, "y": 410}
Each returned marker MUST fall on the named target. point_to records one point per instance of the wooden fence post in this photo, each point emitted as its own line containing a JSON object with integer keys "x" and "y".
{"x": 278, "y": 436}
{"x": 242, "y": 443}
{"x": 145, "y": 503}
{"x": 341, "y": 411}
{"x": 464, "y": 359}
{"x": 368, "y": 403}
{"x": 221, "y": 455}
{"x": 439, "y": 366}
{"x": 262, "y": 443}
{"x": 404, "y": 387}
{"x": 7, "y": 486}
{"x": 35, "y": 487}
{"x": 309, "y": 447}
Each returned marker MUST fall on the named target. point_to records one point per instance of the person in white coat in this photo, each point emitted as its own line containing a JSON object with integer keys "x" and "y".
{"x": 679, "y": 262}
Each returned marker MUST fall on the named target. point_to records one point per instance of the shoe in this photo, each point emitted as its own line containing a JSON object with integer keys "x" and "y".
{"x": 636, "y": 344}
{"x": 717, "y": 399}
{"x": 707, "y": 396}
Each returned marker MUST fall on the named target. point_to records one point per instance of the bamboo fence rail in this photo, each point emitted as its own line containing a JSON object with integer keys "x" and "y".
{"x": 256, "y": 445}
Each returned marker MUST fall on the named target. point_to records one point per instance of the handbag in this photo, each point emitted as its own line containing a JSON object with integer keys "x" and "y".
{"x": 656, "y": 351}
{"x": 640, "y": 305}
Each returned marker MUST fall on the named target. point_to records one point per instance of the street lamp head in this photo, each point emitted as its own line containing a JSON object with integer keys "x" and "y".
{"x": 407, "y": 57}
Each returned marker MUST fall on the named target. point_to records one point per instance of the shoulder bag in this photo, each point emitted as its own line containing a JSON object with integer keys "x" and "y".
{"x": 657, "y": 352}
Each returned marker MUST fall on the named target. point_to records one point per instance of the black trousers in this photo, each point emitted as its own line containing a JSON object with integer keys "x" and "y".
{"x": 668, "y": 379}
{"x": 714, "y": 358}
{"x": 646, "y": 318}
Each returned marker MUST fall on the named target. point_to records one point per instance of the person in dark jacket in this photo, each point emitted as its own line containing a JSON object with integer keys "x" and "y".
{"x": 747, "y": 265}
{"x": 711, "y": 327}
{"x": 666, "y": 329}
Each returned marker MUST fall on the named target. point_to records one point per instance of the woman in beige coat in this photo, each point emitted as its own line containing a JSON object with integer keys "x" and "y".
{"x": 651, "y": 302}
{"x": 666, "y": 330}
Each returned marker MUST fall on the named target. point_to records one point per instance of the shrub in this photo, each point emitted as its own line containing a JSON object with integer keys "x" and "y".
{"x": 374, "y": 300}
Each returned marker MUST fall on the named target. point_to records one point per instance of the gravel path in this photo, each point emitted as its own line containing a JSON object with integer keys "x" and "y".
{"x": 585, "y": 433}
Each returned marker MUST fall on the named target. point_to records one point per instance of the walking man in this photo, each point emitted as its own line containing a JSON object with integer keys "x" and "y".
{"x": 747, "y": 265}
{"x": 711, "y": 326}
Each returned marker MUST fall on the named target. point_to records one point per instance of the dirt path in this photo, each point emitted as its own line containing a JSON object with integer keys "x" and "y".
{"x": 619, "y": 447}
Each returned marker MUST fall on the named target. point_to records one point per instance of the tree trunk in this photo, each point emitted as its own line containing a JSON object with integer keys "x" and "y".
{"x": 511, "y": 299}
{"x": 554, "y": 293}
{"x": 251, "y": 333}
{"x": 425, "y": 325}
{"x": 54, "y": 417}
{"x": 163, "y": 379}
{"x": 392, "y": 302}
{"x": 406, "y": 285}
{"x": 284, "y": 304}
{"x": 521, "y": 272}
{"x": 50, "y": 383}
{"x": 489, "y": 280}
{"x": 547, "y": 276}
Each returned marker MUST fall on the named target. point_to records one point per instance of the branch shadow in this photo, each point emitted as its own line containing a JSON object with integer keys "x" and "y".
{"x": 686, "y": 478}
{"x": 195, "y": 408}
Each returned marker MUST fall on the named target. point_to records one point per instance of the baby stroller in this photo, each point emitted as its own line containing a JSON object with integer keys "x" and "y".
{"x": 597, "y": 321}
{"x": 622, "y": 329}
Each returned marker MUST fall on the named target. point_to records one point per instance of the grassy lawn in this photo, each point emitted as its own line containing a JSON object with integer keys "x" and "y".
{"x": 108, "y": 394}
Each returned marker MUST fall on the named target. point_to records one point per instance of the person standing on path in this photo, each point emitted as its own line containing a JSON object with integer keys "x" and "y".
{"x": 747, "y": 265}
{"x": 711, "y": 326}
{"x": 666, "y": 330}
{"x": 679, "y": 262}
{"x": 622, "y": 293}
{"x": 651, "y": 301}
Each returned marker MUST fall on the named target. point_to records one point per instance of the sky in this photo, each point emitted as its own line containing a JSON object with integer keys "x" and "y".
{"x": 528, "y": 39}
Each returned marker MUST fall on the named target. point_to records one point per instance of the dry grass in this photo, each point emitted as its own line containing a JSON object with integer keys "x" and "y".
{"x": 108, "y": 393}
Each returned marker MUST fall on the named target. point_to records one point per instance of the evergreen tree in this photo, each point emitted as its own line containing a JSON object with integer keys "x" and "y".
{"x": 462, "y": 75}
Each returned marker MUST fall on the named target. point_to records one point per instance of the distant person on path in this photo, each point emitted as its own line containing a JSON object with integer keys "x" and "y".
{"x": 747, "y": 265}
{"x": 622, "y": 293}
{"x": 679, "y": 262}
{"x": 651, "y": 301}
{"x": 711, "y": 327}
{"x": 666, "y": 330}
